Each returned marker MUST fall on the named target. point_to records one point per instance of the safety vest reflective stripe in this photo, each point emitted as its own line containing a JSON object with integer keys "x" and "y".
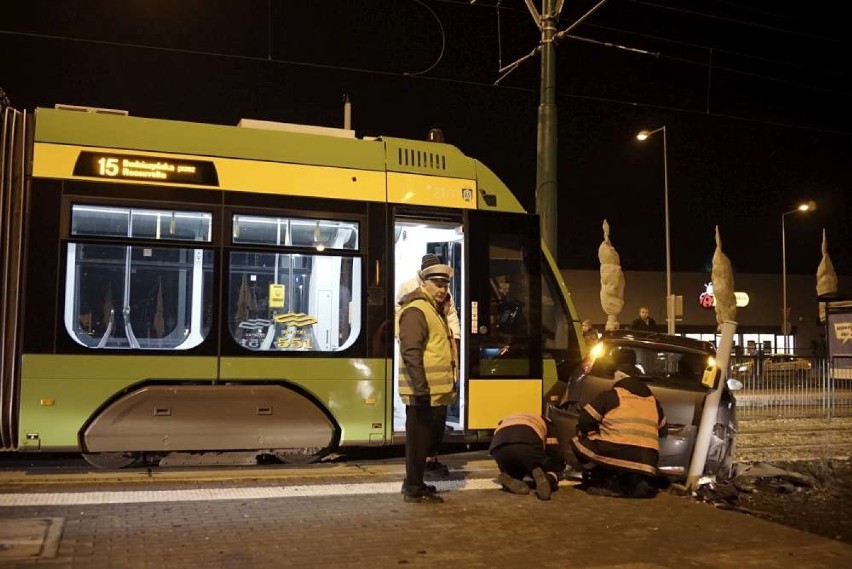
{"x": 612, "y": 460}
{"x": 438, "y": 355}
{"x": 535, "y": 422}
{"x": 633, "y": 422}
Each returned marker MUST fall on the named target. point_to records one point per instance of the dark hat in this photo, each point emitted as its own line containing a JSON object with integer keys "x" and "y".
{"x": 428, "y": 260}
{"x": 432, "y": 268}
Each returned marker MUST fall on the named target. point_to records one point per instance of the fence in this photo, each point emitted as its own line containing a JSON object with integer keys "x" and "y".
{"x": 793, "y": 387}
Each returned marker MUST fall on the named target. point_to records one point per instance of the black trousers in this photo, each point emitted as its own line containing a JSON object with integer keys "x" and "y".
{"x": 520, "y": 459}
{"x": 419, "y": 436}
{"x": 439, "y": 422}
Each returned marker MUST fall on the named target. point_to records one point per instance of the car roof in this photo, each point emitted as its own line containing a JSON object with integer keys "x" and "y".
{"x": 659, "y": 340}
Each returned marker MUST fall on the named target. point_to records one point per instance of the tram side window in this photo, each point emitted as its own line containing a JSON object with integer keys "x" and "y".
{"x": 132, "y": 296}
{"x": 280, "y": 300}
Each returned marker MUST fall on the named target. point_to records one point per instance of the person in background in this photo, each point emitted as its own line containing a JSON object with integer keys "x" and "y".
{"x": 590, "y": 335}
{"x": 510, "y": 315}
{"x": 644, "y": 322}
{"x": 520, "y": 449}
{"x": 617, "y": 441}
{"x": 434, "y": 468}
{"x": 428, "y": 374}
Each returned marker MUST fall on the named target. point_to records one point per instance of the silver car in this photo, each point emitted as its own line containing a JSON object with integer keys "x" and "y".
{"x": 680, "y": 372}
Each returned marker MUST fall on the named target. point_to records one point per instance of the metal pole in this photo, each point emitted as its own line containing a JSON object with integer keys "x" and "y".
{"x": 784, "y": 282}
{"x": 670, "y": 316}
{"x": 546, "y": 171}
{"x": 711, "y": 408}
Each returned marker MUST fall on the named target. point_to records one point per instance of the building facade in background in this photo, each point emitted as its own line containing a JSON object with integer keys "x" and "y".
{"x": 759, "y": 300}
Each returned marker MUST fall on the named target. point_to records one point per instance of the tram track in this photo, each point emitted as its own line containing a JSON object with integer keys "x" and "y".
{"x": 793, "y": 439}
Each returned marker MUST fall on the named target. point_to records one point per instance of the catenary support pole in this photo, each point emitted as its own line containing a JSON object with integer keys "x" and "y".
{"x": 546, "y": 186}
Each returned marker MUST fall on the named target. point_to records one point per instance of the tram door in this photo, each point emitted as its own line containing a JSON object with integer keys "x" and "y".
{"x": 413, "y": 238}
{"x": 503, "y": 367}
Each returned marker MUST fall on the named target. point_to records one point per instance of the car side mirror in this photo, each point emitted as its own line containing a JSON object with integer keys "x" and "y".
{"x": 711, "y": 376}
{"x": 734, "y": 384}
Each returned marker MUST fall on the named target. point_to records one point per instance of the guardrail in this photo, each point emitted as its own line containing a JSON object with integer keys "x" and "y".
{"x": 804, "y": 387}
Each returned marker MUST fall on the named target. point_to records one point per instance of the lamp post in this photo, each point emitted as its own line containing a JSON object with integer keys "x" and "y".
{"x": 670, "y": 316}
{"x": 807, "y": 206}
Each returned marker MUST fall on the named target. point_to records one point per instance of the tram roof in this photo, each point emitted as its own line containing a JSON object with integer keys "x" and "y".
{"x": 383, "y": 154}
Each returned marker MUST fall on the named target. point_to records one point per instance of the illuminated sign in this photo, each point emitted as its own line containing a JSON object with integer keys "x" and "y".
{"x": 707, "y": 299}
{"x": 146, "y": 168}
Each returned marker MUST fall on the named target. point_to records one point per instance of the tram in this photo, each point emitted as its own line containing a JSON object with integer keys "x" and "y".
{"x": 182, "y": 288}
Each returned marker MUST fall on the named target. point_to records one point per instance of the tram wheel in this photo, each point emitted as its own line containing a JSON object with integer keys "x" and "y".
{"x": 110, "y": 460}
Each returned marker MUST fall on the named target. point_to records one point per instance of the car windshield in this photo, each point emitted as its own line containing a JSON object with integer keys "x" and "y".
{"x": 652, "y": 364}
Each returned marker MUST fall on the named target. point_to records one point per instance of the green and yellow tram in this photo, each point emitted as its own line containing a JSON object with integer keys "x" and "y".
{"x": 174, "y": 287}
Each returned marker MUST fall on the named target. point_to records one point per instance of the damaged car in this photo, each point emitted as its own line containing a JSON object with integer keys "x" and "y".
{"x": 680, "y": 371}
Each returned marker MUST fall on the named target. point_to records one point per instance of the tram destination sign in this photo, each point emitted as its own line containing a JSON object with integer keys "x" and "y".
{"x": 146, "y": 168}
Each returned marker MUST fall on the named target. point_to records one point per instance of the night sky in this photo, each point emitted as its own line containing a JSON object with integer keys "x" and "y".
{"x": 753, "y": 94}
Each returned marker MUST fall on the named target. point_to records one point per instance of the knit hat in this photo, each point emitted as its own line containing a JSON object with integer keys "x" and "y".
{"x": 432, "y": 268}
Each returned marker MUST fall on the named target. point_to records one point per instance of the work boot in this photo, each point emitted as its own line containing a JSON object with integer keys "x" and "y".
{"x": 542, "y": 484}
{"x": 603, "y": 491}
{"x": 605, "y": 485}
{"x": 554, "y": 481}
{"x": 422, "y": 498}
{"x": 425, "y": 488}
{"x": 513, "y": 485}
{"x": 642, "y": 490}
{"x": 435, "y": 470}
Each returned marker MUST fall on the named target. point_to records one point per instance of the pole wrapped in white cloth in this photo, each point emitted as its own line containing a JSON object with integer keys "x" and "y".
{"x": 726, "y": 310}
{"x": 826, "y": 277}
{"x": 612, "y": 281}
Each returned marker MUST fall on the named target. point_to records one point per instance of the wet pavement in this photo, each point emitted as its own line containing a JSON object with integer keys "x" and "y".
{"x": 352, "y": 515}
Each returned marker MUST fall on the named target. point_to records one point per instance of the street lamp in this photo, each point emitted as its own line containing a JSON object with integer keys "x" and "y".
{"x": 807, "y": 206}
{"x": 670, "y": 316}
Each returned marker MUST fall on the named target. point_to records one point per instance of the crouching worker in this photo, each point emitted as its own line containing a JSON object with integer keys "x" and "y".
{"x": 618, "y": 439}
{"x": 520, "y": 449}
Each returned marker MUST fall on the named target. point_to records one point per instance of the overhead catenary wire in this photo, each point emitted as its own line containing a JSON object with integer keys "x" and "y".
{"x": 267, "y": 58}
{"x": 443, "y": 42}
{"x": 705, "y": 48}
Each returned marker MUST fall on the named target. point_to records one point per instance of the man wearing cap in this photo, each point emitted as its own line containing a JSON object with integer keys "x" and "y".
{"x": 434, "y": 468}
{"x": 428, "y": 373}
{"x": 430, "y": 260}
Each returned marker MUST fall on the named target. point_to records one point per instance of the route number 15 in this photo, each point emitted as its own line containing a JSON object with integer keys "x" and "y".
{"x": 108, "y": 166}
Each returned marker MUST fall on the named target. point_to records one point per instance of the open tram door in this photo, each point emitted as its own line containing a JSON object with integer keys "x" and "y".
{"x": 502, "y": 367}
{"x": 415, "y": 233}
{"x": 497, "y": 292}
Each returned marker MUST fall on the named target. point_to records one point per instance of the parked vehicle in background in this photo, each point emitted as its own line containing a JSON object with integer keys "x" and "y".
{"x": 742, "y": 369}
{"x": 777, "y": 370}
{"x": 787, "y": 365}
{"x": 680, "y": 372}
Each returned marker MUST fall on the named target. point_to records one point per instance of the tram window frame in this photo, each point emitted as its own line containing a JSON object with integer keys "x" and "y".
{"x": 174, "y": 310}
{"x": 288, "y": 268}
